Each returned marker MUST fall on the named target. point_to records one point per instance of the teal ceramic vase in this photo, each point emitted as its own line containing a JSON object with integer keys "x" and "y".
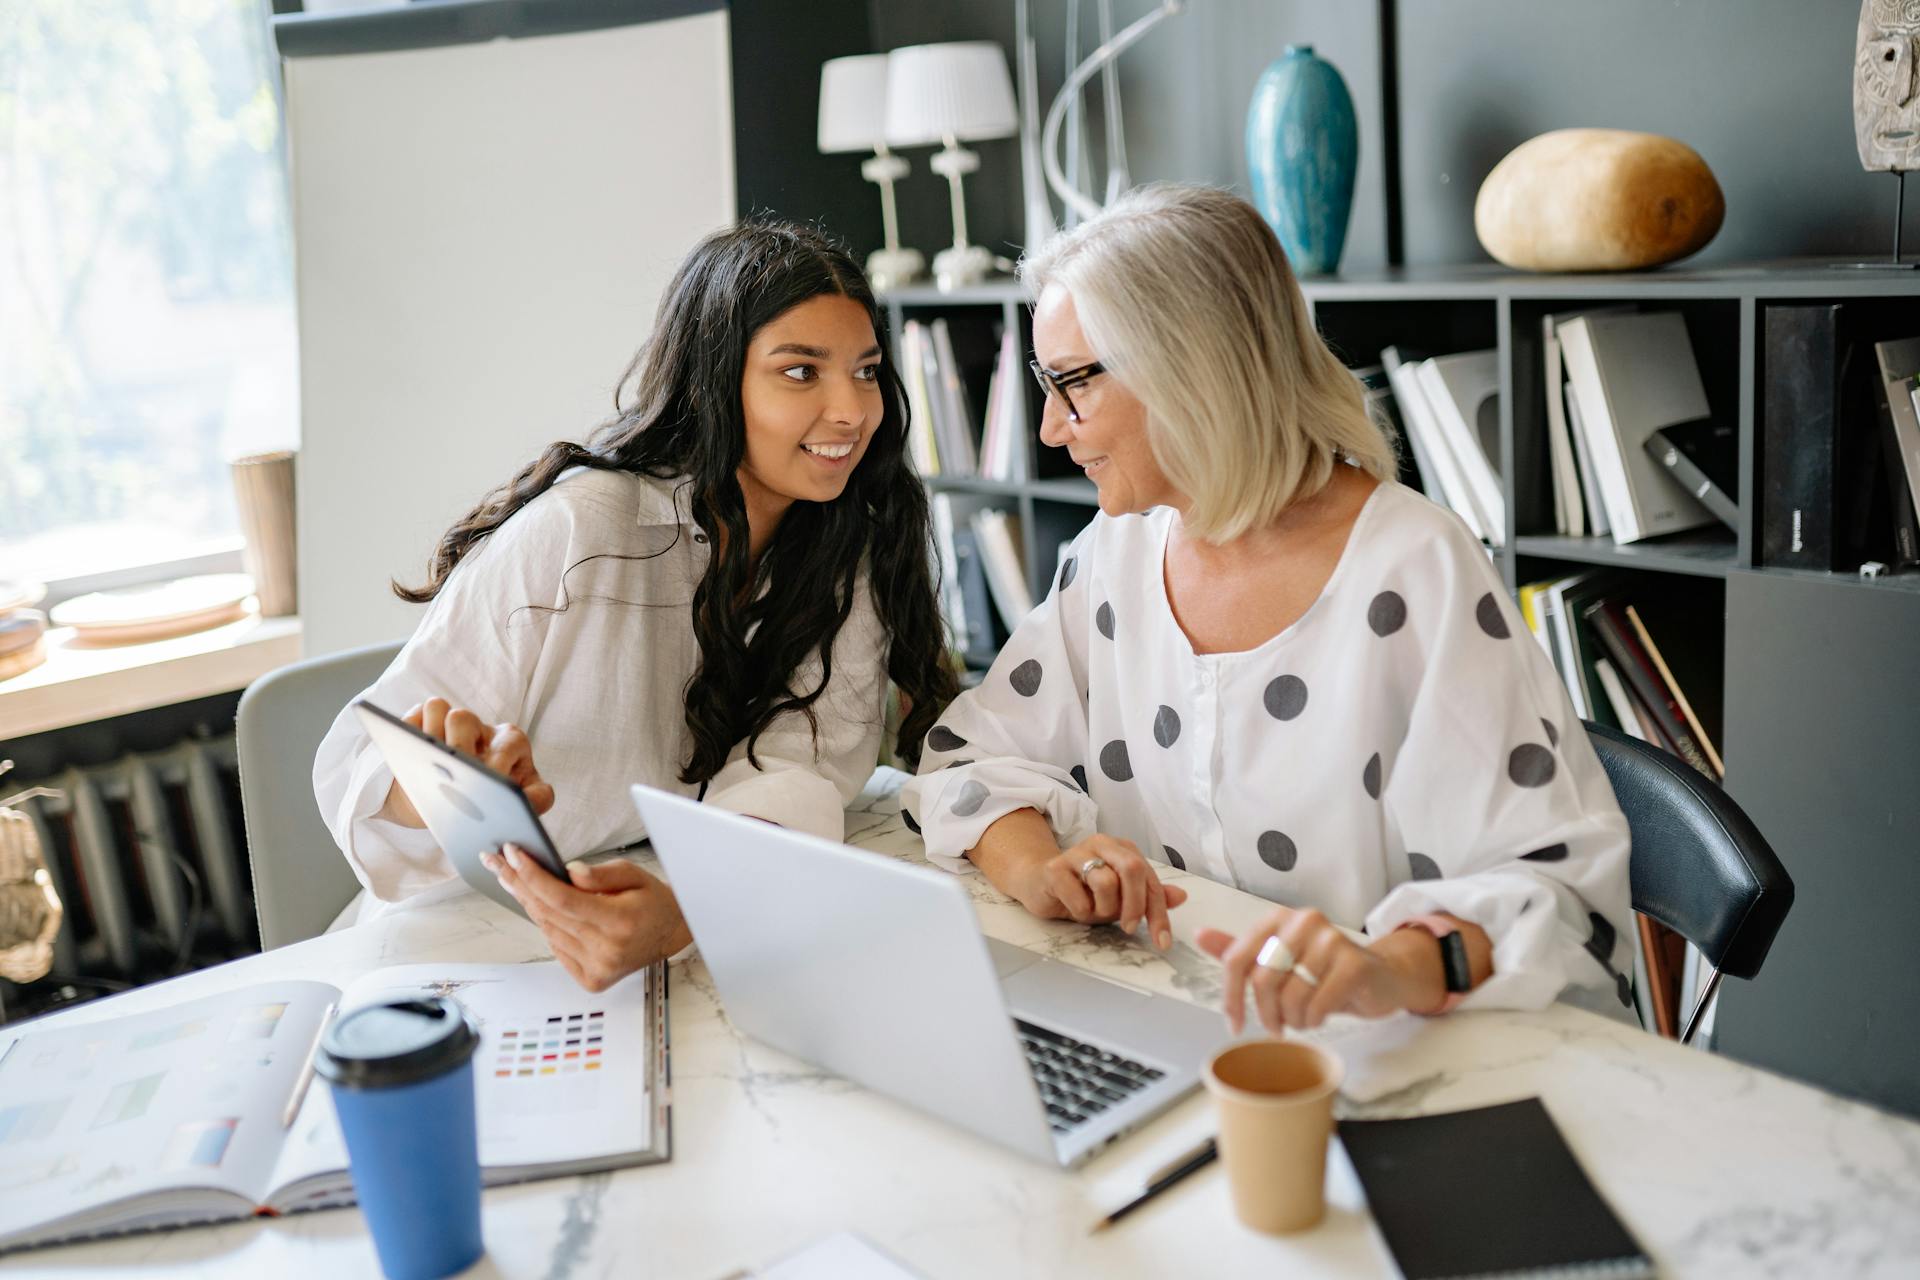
{"x": 1303, "y": 146}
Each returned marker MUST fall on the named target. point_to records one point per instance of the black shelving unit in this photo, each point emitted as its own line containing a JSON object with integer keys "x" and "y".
{"x": 1819, "y": 673}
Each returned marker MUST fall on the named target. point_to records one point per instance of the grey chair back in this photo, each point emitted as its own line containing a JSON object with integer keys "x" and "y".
{"x": 301, "y": 880}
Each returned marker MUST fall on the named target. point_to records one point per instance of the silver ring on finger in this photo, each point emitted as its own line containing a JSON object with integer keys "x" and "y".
{"x": 1275, "y": 955}
{"x": 1090, "y": 866}
{"x": 1305, "y": 975}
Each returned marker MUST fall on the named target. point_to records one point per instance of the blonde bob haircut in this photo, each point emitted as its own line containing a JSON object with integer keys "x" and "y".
{"x": 1187, "y": 298}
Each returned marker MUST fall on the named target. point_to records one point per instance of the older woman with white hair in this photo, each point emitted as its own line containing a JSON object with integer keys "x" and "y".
{"x": 1267, "y": 663}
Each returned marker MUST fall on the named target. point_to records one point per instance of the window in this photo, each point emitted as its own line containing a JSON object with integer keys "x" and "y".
{"x": 146, "y": 283}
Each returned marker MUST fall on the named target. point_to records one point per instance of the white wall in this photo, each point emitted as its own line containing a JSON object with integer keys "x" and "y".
{"x": 481, "y": 235}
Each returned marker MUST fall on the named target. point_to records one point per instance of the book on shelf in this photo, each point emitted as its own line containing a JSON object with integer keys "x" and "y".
{"x": 1550, "y": 638}
{"x": 1608, "y": 620}
{"x": 1619, "y": 699}
{"x": 1899, "y": 361}
{"x": 1703, "y": 457}
{"x": 998, "y": 536}
{"x": 922, "y": 445}
{"x": 1675, "y": 691}
{"x": 1377, "y": 392}
{"x": 953, "y": 609}
{"x": 1892, "y": 498}
{"x": 1529, "y": 597}
{"x": 1640, "y": 684}
{"x": 204, "y": 1111}
{"x": 1464, "y": 393}
{"x": 1003, "y": 437}
{"x": 978, "y": 644}
{"x": 1570, "y": 598}
{"x": 1642, "y": 989}
{"x": 1632, "y": 374}
{"x": 1661, "y": 959}
{"x": 1572, "y": 516}
{"x": 964, "y": 595}
{"x": 1596, "y": 510}
{"x": 1568, "y": 647}
{"x": 952, "y": 416}
{"x": 1430, "y": 447}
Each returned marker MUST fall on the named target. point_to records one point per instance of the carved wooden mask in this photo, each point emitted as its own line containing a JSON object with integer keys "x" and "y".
{"x": 1886, "y": 85}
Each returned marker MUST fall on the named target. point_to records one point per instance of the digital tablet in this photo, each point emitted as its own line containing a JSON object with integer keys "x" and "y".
{"x": 470, "y": 809}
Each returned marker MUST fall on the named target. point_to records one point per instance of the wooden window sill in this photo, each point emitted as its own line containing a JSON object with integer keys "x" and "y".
{"x": 78, "y": 684}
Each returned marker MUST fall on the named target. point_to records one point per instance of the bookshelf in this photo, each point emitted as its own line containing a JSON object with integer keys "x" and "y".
{"x": 1818, "y": 673}
{"x": 1479, "y": 306}
{"x": 1056, "y": 502}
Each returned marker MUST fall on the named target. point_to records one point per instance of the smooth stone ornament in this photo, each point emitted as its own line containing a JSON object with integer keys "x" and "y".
{"x": 1597, "y": 200}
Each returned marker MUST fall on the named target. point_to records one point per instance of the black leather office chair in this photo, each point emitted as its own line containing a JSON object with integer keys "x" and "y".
{"x": 1700, "y": 866}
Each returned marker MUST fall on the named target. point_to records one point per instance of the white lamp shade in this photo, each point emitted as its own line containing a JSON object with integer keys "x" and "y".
{"x": 937, "y": 91}
{"x": 853, "y": 102}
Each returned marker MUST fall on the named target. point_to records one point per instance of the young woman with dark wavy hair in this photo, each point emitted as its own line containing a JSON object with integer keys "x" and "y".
{"x": 709, "y": 596}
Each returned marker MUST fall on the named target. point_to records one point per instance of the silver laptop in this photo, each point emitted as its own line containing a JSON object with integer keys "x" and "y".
{"x": 876, "y": 969}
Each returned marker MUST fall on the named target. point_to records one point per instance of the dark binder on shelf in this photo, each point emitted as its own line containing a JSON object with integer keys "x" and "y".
{"x": 1805, "y": 355}
{"x": 1493, "y": 1191}
{"x": 1704, "y": 457}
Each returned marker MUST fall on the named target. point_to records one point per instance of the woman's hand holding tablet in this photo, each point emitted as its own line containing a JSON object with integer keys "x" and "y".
{"x": 503, "y": 748}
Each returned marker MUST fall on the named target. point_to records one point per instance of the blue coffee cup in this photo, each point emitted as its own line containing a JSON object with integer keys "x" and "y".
{"x": 402, "y": 1081}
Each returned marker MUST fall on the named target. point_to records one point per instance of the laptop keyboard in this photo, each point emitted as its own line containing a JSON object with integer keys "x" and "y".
{"x": 1078, "y": 1081}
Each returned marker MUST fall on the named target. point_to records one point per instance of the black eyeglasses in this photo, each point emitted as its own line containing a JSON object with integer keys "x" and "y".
{"x": 1057, "y": 383}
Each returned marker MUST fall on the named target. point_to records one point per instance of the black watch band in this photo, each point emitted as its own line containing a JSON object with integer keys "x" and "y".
{"x": 1453, "y": 958}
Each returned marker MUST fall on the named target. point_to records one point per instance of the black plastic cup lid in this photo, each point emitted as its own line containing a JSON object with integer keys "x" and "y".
{"x": 401, "y": 1042}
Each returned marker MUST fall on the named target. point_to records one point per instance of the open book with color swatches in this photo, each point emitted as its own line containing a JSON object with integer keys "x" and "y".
{"x": 181, "y": 1115}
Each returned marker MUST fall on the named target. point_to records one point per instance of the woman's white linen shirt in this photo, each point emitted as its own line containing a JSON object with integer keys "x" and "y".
{"x": 1405, "y": 747}
{"x": 591, "y": 658}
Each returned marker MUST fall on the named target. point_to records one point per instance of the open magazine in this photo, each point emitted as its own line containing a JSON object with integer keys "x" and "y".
{"x": 201, "y": 1112}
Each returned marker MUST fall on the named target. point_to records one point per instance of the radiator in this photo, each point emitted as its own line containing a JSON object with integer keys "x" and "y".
{"x": 116, "y": 838}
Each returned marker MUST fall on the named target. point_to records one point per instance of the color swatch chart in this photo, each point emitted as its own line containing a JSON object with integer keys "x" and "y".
{"x": 566, "y": 1043}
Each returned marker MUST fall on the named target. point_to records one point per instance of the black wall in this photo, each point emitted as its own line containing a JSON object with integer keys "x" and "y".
{"x": 1762, "y": 89}
{"x": 776, "y": 93}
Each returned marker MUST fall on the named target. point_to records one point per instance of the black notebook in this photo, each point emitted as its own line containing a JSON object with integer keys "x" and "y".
{"x": 1488, "y": 1192}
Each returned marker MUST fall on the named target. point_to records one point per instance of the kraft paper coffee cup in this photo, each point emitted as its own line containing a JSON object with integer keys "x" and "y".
{"x": 1275, "y": 1103}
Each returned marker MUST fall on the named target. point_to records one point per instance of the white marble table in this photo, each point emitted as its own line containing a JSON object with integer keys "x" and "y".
{"x": 1719, "y": 1169}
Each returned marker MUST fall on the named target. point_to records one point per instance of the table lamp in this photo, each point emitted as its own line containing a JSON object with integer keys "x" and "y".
{"x": 853, "y": 107}
{"x": 950, "y": 94}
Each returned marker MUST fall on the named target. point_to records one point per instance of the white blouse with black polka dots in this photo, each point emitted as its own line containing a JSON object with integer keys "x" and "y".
{"x": 1404, "y": 747}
